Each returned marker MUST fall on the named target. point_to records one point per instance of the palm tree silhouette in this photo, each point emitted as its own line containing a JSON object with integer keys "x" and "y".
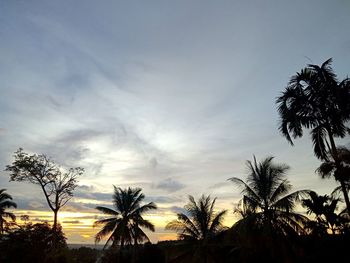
{"x": 324, "y": 207}
{"x": 267, "y": 201}
{"x": 197, "y": 226}
{"x": 125, "y": 225}
{"x": 314, "y": 99}
{"x": 200, "y": 221}
{"x": 315, "y": 204}
{"x": 5, "y": 203}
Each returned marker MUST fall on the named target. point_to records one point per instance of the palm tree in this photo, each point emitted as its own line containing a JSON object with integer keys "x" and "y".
{"x": 324, "y": 207}
{"x": 267, "y": 198}
{"x": 197, "y": 227}
{"x": 314, "y": 99}
{"x": 200, "y": 222}
{"x": 315, "y": 204}
{"x": 125, "y": 225}
{"x": 5, "y": 203}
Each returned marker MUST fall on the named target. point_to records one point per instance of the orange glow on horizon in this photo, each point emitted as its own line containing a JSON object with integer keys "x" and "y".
{"x": 78, "y": 226}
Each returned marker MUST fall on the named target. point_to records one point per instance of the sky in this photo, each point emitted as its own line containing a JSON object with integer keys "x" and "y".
{"x": 169, "y": 96}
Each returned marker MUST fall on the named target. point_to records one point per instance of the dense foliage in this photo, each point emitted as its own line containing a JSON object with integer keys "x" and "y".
{"x": 33, "y": 243}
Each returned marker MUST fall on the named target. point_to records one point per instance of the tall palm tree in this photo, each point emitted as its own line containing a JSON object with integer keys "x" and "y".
{"x": 200, "y": 222}
{"x": 314, "y": 99}
{"x": 5, "y": 203}
{"x": 267, "y": 197}
{"x": 126, "y": 222}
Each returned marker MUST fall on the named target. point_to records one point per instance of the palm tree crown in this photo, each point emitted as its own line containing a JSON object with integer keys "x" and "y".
{"x": 124, "y": 225}
{"x": 267, "y": 197}
{"x": 314, "y": 99}
{"x": 200, "y": 222}
{"x": 5, "y": 203}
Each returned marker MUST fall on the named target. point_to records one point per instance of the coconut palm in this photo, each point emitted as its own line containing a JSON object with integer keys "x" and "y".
{"x": 267, "y": 197}
{"x": 197, "y": 227}
{"x": 200, "y": 222}
{"x": 125, "y": 225}
{"x": 314, "y": 99}
{"x": 5, "y": 203}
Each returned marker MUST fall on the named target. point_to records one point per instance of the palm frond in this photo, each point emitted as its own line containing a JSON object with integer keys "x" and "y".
{"x": 10, "y": 215}
{"x": 326, "y": 169}
{"x": 216, "y": 224}
{"x": 107, "y": 210}
{"x": 283, "y": 188}
{"x": 246, "y": 189}
{"x": 318, "y": 135}
{"x": 146, "y": 224}
{"x": 107, "y": 229}
{"x": 7, "y": 204}
{"x": 145, "y": 208}
{"x": 105, "y": 221}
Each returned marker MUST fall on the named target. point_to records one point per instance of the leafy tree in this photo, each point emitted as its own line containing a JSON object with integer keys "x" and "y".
{"x": 5, "y": 203}
{"x": 125, "y": 225}
{"x": 267, "y": 198}
{"x": 56, "y": 184}
{"x": 200, "y": 222}
{"x": 314, "y": 99}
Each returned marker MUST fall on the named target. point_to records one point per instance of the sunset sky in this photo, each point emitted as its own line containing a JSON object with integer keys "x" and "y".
{"x": 169, "y": 96}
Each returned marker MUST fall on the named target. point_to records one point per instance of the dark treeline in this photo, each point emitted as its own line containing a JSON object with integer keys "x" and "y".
{"x": 270, "y": 227}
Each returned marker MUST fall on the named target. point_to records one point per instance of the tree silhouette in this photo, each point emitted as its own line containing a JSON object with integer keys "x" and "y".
{"x": 314, "y": 99}
{"x": 199, "y": 225}
{"x": 200, "y": 221}
{"x": 125, "y": 225}
{"x": 339, "y": 171}
{"x": 34, "y": 243}
{"x": 315, "y": 204}
{"x": 324, "y": 207}
{"x": 57, "y": 185}
{"x": 267, "y": 201}
{"x": 5, "y": 203}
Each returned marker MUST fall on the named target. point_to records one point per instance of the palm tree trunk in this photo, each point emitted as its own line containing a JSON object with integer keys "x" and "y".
{"x": 338, "y": 166}
{"x": 133, "y": 260}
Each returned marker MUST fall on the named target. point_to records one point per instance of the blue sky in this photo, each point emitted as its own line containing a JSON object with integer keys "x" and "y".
{"x": 170, "y": 96}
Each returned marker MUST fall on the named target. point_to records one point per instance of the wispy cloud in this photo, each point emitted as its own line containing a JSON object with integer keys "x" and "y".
{"x": 169, "y": 185}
